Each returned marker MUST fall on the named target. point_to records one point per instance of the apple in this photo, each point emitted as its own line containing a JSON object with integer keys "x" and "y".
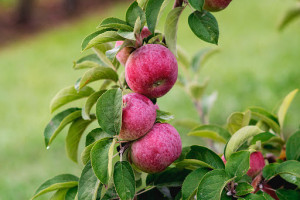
{"x": 151, "y": 70}
{"x": 123, "y": 55}
{"x": 159, "y": 148}
{"x": 138, "y": 116}
{"x": 215, "y": 5}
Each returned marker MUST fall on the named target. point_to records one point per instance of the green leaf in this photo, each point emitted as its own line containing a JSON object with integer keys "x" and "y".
{"x": 163, "y": 117}
{"x": 127, "y": 35}
{"x": 95, "y": 135}
{"x": 239, "y": 138}
{"x": 59, "y": 194}
{"x": 255, "y": 197}
{"x": 95, "y": 74}
{"x": 88, "y": 61}
{"x": 192, "y": 164}
{"x": 170, "y": 29}
{"x": 88, "y": 38}
{"x": 201, "y": 56}
{"x": 101, "y": 54}
{"x": 109, "y": 111}
{"x": 62, "y": 181}
{"x": 205, "y": 155}
{"x": 263, "y": 137}
{"x": 191, "y": 183}
{"x": 71, "y": 193}
{"x": 269, "y": 171}
{"x": 186, "y": 123}
{"x": 171, "y": 177}
{"x": 182, "y": 57}
{"x": 285, "y": 105}
{"x": 142, "y": 3}
{"x": 197, "y": 90}
{"x": 91, "y": 100}
{"x": 293, "y": 147}
{"x": 152, "y": 11}
{"x": 290, "y": 171}
{"x": 205, "y": 26}
{"x": 197, "y": 4}
{"x": 289, "y": 17}
{"x": 58, "y": 122}
{"x": 133, "y": 12}
{"x": 101, "y": 158}
{"x": 243, "y": 188}
{"x": 108, "y": 36}
{"x": 88, "y": 184}
{"x": 74, "y": 135}
{"x": 212, "y": 184}
{"x": 124, "y": 180}
{"x": 237, "y": 121}
{"x": 284, "y": 194}
{"x": 115, "y": 23}
{"x": 238, "y": 164}
{"x": 211, "y": 131}
{"x": 68, "y": 95}
{"x": 265, "y": 116}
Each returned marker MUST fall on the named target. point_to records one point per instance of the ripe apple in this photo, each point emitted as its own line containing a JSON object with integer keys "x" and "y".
{"x": 138, "y": 116}
{"x": 123, "y": 55}
{"x": 216, "y": 5}
{"x": 151, "y": 70}
{"x": 157, "y": 149}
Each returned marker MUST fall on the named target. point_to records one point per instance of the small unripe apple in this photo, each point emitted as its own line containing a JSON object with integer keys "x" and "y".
{"x": 257, "y": 163}
{"x": 123, "y": 55}
{"x": 216, "y": 5}
{"x": 157, "y": 149}
{"x": 223, "y": 159}
{"x": 151, "y": 70}
{"x": 138, "y": 116}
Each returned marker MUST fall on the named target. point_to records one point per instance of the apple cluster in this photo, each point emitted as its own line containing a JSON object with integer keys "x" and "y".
{"x": 150, "y": 71}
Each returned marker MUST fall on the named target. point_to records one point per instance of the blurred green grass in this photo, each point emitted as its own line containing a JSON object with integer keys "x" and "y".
{"x": 256, "y": 66}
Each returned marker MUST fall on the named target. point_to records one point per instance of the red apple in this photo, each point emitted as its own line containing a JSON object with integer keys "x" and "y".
{"x": 151, "y": 70}
{"x": 216, "y": 5}
{"x": 123, "y": 55}
{"x": 157, "y": 149}
{"x": 138, "y": 117}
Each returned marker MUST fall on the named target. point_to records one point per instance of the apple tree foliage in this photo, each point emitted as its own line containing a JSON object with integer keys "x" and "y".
{"x": 199, "y": 173}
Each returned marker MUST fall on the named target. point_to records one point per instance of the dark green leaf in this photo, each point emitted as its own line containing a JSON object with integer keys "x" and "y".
{"x": 88, "y": 38}
{"x": 152, "y": 10}
{"x": 201, "y": 56}
{"x": 243, "y": 188}
{"x": 91, "y": 100}
{"x": 238, "y": 120}
{"x": 197, "y": 4}
{"x": 263, "y": 137}
{"x": 109, "y": 111}
{"x": 108, "y": 36}
{"x": 88, "y": 61}
{"x": 290, "y": 16}
{"x": 68, "y": 95}
{"x": 74, "y": 135}
{"x": 290, "y": 171}
{"x": 270, "y": 119}
{"x": 171, "y": 177}
{"x": 124, "y": 180}
{"x": 254, "y": 197}
{"x": 110, "y": 194}
{"x": 211, "y": 131}
{"x": 101, "y": 157}
{"x": 62, "y": 181}
{"x": 205, "y": 26}
{"x": 207, "y": 156}
{"x": 239, "y": 138}
{"x": 192, "y": 164}
{"x": 59, "y": 194}
{"x": 95, "y": 74}
{"x": 163, "y": 117}
{"x": 133, "y": 12}
{"x": 170, "y": 29}
{"x": 71, "y": 193}
{"x": 115, "y": 23}
{"x": 191, "y": 183}
{"x": 286, "y": 104}
{"x": 88, "y": 184}
{"x": 269, "y": 171}
{"x": 238, "y": 164}
{"x": 58, "y": 122}
{"x": 284, "y": 194}
{"x": 212, "y": 184}
{"x": 184, "y": 152}
{"x": 293, "y": 147}
{"x": 94, "y": 135}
